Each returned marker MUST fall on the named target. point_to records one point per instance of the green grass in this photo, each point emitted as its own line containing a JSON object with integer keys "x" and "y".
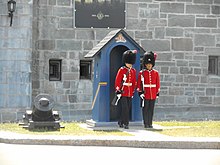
{"x": 193, "y": 129}
{"x": 73, "y": 129}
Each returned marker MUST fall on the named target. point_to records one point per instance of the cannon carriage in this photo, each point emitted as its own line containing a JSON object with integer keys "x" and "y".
{"x": 42, "y": 114}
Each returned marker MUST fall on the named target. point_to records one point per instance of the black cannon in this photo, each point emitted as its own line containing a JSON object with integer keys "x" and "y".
{"x": 42, "y": 114}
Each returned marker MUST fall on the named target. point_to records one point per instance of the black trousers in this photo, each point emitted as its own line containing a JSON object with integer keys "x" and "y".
{"x": 148, "y": 112}
{"x": 124, "y": 109}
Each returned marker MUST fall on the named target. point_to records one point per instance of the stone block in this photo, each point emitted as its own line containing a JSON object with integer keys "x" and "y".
{"x": 197, "y": 71}
{"x": 8, "y": 116}
{"x": 3, "y": 100}
{"x": 176, "y": 91}
{"x": 64, "y": 3}
{"x": 88, "y": 45}
{"x": 135, "y": 23}
{"x": 212, "y": 51}
{"x": 174, "y": 32}
{"x": 64, "y": 34}
{"x": 172, "y": 7}
{"x": 70, "y": 76}
{"x": 200, "y": 91}
{"x": 3, "y": 78}
{"x": 156, "y": 45}
{"x": 82, "y": 98}
{"x": 214, "y": 79}
{"x": 133, "y": 8}
{"x": 190, "y": 100}
{"x": 143, "y": 34}
{"x": 186, "y": 70}
{"x": 210, "y": 91}
{"x": 46, "y": 44}
{"x": 179, "y": 78}
{"x": 85, "y": 34}
{"x": 178, "y": 55}
{"x": 216, "y": 101}
{"x": 35, "y": 84}
{"x": 62, "y": 11}
{"x": 197, "y": 9}
{"x": 25, "y": 101}
{"x": 181, "y": 100}
{"x": 165, "y": 0}
{"x": 199, "y": 49}
{"x": 66, "y": 84}
{"x": 68, "y": 45}
{"x": 170, "y": 78}
{"x": 216, "y": 2}
{"x": 189, "y": 91}
{"x": 165, "y": 63}
{"x": 204, "y": 40}
{"x": 159, "y": 33}
{"x": 182, "y": 44}
{"x": 101, "y": 33}
{"x": 204, "y": 100}
{"x": 203, "y": 1}
{"x": 182, "y": 63}
{"x": 66, "y": 23}
{"x": 164, "y": 57}
{"x": 164, "y": 69}
{"x": 157, "y": 22}
{"x": 163, "y": 100}
{"x": 215, "y": 9}
{"x": 174, "y": 70}
{"x": 149, "y": 13}
{"x": 52, "y": 2}
{"x": 191, "y": 79}
{"x": 181, "y": 20}
{"x": 72, "y": 98}
{"x": 210, "y": 23}
{"x": 218, "y": 91}
{"x": 184, "y": 0}
{"x": 187, "y": 114}
{"x": 194, "y": 64}
{"x": 204, "y": 79}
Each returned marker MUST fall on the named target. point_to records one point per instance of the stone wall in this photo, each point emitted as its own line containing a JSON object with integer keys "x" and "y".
{"x": 183, "y": 33}
{"x": 15, "y": 61}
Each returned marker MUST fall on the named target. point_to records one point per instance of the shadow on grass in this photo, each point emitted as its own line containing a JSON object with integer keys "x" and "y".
{"x": 43, "y": 129}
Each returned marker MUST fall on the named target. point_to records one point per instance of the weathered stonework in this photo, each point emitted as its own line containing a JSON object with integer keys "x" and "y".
{"x": 183, "y": 33}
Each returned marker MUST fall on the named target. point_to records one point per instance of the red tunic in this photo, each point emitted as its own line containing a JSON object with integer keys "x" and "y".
{"x": 129, "y": 83}
{"x": 151, "y": 83}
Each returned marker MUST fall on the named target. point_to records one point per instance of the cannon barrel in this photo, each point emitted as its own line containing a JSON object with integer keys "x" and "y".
{"x": 42, "y": 111}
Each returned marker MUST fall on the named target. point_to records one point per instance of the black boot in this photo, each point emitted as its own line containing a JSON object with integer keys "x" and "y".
{"x": 126, "y": 127}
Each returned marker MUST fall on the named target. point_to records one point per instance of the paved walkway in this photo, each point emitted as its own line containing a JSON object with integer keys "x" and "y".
{"x": 141, "y": 138}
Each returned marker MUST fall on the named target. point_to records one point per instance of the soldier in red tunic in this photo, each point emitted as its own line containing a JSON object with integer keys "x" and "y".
{"x": 125, "y": 85}
{"x": 148, "y": 87}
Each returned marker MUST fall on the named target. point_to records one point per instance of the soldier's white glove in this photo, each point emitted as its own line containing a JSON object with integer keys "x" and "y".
{"x": 142, "y": 96}
{"x": 118, "y": 95}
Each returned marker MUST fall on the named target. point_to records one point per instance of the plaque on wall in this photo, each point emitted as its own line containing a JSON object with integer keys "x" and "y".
{"x": 100, "y": 13}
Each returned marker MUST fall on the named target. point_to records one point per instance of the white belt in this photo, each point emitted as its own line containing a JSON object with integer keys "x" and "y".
{"x": 127, "y": 84}
{"x": 150, "y": 85}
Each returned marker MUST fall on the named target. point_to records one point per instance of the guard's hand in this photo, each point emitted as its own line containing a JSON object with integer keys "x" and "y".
{"x": 118, "y": 95}
{"x": 158, "y": 95}
{"x": 142, "y": 96}
{"x": 139, "y": 93}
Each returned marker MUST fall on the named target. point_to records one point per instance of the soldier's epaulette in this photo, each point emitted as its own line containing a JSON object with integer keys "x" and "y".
{"x": 142, "y": 70}
{"x": 155, "y": 70}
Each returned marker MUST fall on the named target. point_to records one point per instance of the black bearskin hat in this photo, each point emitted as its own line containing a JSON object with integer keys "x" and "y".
{"x": 129, "y": 56}
{"x": 149, "y": 58}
